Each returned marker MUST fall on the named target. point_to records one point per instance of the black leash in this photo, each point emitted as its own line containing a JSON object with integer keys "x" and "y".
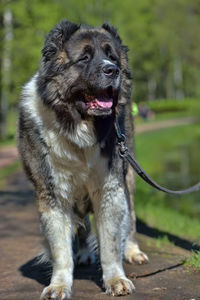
{"x": 124, "y": 154}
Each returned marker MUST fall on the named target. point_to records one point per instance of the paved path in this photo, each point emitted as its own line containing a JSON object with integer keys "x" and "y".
{"x": 163, "y": 278}
{"x": 152, "y": 126}
{"x": 8, "y": 155}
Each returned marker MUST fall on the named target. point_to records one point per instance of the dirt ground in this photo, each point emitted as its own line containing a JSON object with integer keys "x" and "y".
{"x": 8, "y": 155}
{"x": 153, "y": 126}
{"x": 164, "y": 277}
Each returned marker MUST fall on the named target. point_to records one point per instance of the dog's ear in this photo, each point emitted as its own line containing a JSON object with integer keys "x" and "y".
{"x": 56, "y": 38}
{"x": 113, "y": 31}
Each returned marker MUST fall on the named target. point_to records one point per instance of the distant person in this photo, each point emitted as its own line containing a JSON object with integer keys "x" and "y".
{"x": 145, "y": 112}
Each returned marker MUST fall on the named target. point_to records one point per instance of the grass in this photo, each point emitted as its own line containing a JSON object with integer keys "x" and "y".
{"x": 11, "y": 130}
{"x": 167, "y": 219}
{"x": 178, "y": 215}
{"x": 162, "y": 117}
{"x": 160, "y": 241}
{"x": 173, "y": 105}
{"x": 193, "y": 262}
{"x": 171, "y": 109}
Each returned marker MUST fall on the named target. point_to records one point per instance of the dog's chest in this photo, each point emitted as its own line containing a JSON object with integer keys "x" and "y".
{"x": 73, "y": 167}
{"x": 68, "y": 157}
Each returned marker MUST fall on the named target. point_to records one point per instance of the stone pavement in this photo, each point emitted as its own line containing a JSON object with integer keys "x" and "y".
{"x": 163, "y": 278}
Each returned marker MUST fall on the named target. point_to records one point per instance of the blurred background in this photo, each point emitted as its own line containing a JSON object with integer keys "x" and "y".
{"x": 164, "y": 53}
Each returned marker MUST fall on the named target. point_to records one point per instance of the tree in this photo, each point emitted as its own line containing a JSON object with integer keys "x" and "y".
{"x": 161, "y": 35}
{"x": 6, "y": 21}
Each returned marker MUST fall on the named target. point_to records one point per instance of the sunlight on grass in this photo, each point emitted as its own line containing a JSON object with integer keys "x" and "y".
{"x": 178, "y": 215}
{"x": 168, "y": 219}
{"x": 160, "y": 241}
{"x": 163, "y": 240}
{"x": 193, "y": 262}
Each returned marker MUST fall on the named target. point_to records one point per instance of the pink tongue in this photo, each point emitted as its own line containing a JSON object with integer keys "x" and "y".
{"x": 105, "y": 104}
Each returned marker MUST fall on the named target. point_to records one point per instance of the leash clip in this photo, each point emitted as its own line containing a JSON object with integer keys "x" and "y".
{"x": 123, "y": 150}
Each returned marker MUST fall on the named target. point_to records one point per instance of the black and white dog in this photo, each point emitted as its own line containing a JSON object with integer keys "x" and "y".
{"x": 68, "y": 145}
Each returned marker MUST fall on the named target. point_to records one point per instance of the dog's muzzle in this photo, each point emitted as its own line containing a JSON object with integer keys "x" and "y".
{"x": 110, "y": 70}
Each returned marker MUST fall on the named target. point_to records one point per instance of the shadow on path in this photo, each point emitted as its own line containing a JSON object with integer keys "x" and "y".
{"x": 23, "y": 197}
{"x": 39, "y": 272}
{"x": 42, "y": 272}
{"x": 156, "y": 233}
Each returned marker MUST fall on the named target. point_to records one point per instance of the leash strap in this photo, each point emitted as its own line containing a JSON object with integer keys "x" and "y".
{"x": 124, "y": 154}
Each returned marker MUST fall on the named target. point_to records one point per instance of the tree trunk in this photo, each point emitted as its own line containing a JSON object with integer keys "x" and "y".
{"x": 5, "y": 69}
{"x": 151, "y": 87}
{"x": 178, "y": 79}
{"x": 169, "y": 86}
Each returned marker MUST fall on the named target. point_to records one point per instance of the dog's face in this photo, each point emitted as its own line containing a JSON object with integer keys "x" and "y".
{"x": 96, "y": 63}
{"x": 82, "y": 69}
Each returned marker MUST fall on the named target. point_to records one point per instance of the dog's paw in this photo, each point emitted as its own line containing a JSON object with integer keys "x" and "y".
{"x": 119, "y": 286}
{"x": 134, "y": 254}
{"x": 139, "y": 258}
{"x": 85, "y": 257}
{"x": 56, "y": 292}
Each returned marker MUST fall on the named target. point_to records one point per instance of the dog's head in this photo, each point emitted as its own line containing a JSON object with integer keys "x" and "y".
{"x": 82, "y": 69}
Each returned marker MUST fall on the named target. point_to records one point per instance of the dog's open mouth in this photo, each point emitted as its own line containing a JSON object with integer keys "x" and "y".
{"x": 102, "y": 101}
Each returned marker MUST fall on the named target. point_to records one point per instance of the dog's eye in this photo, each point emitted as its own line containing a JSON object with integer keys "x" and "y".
{"x": 85, "y": 58}
{"x": 112, "y": 57}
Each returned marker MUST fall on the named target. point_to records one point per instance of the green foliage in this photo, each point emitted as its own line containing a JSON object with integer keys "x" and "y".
{"x": 162, "y": 37}
{"x": 159, "y": 242}
{"x": 193, "y": 262}
{"x": 166, "y": 105}
{"x": 162, "y": 241}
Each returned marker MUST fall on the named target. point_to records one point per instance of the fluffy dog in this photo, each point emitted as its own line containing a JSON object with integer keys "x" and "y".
{"x": 69, "y": 149}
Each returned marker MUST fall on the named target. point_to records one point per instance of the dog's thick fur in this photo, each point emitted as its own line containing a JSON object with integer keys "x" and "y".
{"x": 68, "y": 146}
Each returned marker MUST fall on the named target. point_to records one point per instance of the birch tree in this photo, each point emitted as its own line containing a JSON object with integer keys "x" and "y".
{"x": 7, "y": 36}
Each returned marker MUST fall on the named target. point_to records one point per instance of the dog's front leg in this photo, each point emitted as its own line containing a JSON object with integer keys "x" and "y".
{"x": 57, "y": 229}
{"x": 111, "y": 213}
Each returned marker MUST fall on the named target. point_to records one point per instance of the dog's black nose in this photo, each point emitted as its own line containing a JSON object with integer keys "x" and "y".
{"x": 111, "y": 70}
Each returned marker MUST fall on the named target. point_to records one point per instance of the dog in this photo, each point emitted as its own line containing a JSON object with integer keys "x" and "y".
{"x": 68, "y": 144}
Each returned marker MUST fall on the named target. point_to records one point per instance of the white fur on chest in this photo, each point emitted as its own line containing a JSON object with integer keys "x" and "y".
{"x": 74, "y": 157}
{"x": 73, "y": 167}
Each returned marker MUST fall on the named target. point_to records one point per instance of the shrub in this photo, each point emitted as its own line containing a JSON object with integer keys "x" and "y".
{"x": 163, "y": 106}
